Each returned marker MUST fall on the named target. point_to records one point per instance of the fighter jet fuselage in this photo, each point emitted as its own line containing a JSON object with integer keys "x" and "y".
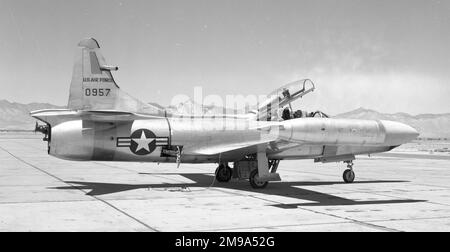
{"x": 103, "y": 123}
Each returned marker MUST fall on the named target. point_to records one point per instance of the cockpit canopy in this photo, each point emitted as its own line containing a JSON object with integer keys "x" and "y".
{"x": 282, "y": 97}
{"x": 289, "y": 93}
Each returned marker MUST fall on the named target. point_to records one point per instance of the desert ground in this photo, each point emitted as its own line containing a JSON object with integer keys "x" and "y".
{"x": 407, "y": 189}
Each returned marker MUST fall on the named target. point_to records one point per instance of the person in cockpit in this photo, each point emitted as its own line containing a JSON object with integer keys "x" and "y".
{"x": 298, "y": 114}
{"x": 286, "y": 114}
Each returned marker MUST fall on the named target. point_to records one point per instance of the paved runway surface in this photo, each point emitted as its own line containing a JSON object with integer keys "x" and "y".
{"x": 391, "y": 193}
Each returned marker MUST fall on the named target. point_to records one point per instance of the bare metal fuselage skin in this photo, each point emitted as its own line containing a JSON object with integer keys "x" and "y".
{"x": 218, "y": 139}
{"x": 104, "y": 123}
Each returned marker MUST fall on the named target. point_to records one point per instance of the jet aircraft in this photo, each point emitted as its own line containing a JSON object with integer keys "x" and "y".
{"x": 103, "y": 123}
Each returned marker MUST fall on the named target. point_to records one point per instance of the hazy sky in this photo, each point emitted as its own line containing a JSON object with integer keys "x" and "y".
{"x": 390, "y": 55}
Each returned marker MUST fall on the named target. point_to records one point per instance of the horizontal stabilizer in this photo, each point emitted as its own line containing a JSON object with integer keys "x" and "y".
{"x": 56, "y": 116}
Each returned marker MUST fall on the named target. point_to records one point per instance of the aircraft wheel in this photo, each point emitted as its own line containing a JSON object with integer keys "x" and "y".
{"x": 254, "y": 180}
{"x": 348, "y": 176}
{"x": 223, "y": 173}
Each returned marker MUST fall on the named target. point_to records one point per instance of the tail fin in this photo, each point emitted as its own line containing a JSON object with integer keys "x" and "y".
{"x": 93, "y": 86}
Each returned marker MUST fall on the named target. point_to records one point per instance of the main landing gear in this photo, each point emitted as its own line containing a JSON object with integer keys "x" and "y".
{"x": 349, "y": 175}
{"x": 258, "y": 182}
{"x": 255, "y": 182}
{"x": 223, "y": 173}
{"x": 258, "y": 174}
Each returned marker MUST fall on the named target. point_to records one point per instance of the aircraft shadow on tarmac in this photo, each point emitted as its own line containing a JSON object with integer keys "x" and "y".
{"x": 284, "y": 189}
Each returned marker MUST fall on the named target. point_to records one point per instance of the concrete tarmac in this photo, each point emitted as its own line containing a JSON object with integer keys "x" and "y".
{"x": 390, "y": 193}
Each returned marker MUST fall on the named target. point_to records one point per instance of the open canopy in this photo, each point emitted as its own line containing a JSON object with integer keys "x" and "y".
{"x": 283, "y": 96}
{"x": 291, "y": 92}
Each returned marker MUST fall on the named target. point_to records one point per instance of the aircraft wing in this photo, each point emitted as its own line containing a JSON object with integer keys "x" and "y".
{"x": 223, "y": 148}
{"x": 258, "y": 133}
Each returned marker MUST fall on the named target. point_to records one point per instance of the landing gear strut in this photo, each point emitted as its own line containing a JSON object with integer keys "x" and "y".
{"x": 255, "y": 182}
{"x": 223, "y": 173}
{"x": 260, "y": 183}
{"x": 349, "y": 175}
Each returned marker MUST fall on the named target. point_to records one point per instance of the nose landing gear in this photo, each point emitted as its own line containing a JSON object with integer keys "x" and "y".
{"x": 349, "y": 175}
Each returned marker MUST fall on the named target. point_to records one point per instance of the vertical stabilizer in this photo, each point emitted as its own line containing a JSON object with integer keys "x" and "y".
{"x": 93, "y": 86}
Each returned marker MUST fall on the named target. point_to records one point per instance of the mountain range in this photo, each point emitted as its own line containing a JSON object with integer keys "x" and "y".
{"x": 15, "y": 116}
{"x": 429, "y": 125}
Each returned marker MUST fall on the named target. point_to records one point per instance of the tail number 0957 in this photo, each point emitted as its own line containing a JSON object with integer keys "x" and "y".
{"x": 97, "y": 91}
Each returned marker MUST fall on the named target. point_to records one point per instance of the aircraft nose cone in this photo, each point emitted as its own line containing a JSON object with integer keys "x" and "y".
{"x": 398, "y": 133}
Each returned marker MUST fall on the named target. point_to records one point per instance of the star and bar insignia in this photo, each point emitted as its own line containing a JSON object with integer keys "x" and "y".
{"x": 142, "y": 142}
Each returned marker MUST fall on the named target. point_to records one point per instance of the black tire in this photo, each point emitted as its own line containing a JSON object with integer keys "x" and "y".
{"x": 223, "y": 173}
{"x": 348, "y": 176}
{"x": 253, "y": 181}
